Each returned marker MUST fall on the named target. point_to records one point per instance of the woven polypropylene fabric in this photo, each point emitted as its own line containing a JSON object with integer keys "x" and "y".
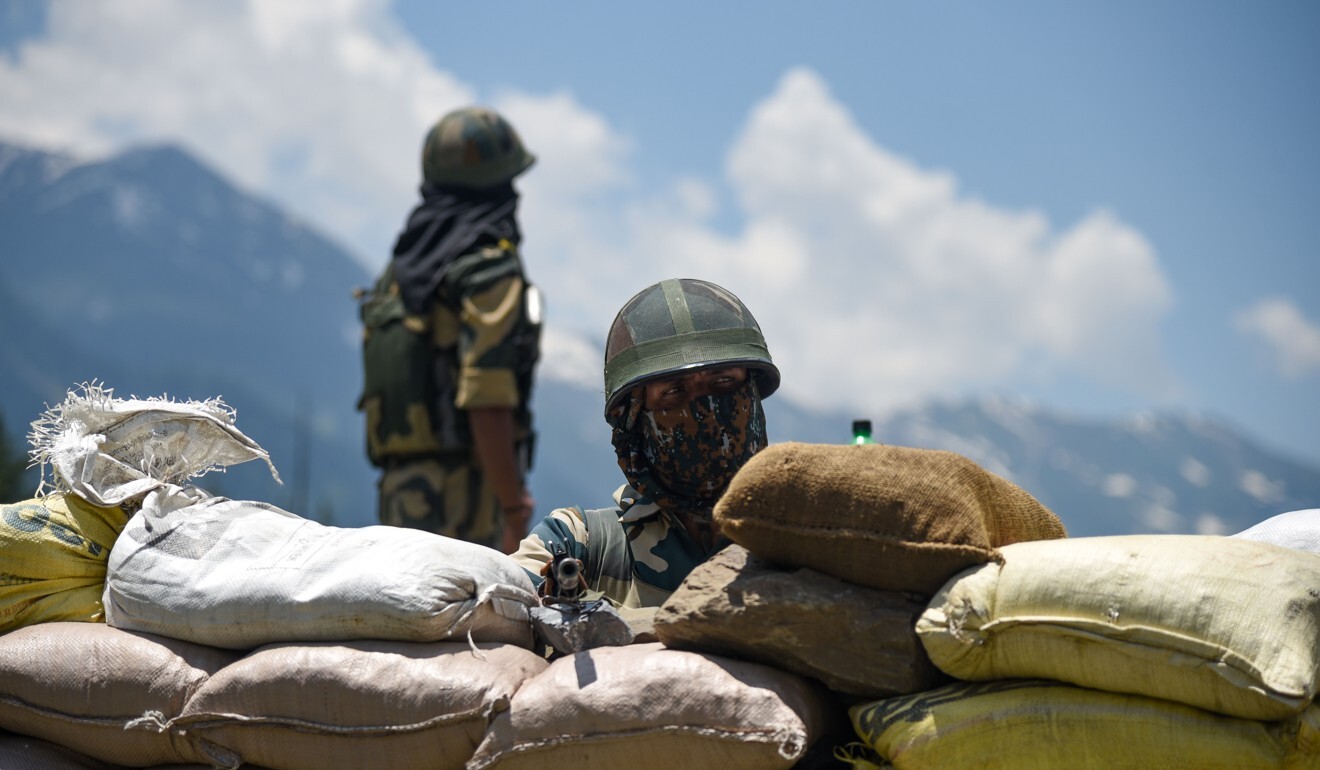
{"x": 1295, "y": 529}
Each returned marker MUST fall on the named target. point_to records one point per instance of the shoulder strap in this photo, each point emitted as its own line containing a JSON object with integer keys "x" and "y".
{"x": 607, "y": 546}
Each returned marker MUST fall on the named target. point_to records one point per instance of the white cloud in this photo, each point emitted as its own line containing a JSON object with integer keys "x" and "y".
{"x": 1210, "y": 524}
{"x": 1160, "y": 518}
{"x": 1291, "y": 338}
{"x": 1119, "y": 485}
{"x": 1262, "y": 487}
{"x": 570, "y": 358}
{"x": 321, "y": 105}
{"x": 877, "y": 282}
{"x": 1194, "y": 472}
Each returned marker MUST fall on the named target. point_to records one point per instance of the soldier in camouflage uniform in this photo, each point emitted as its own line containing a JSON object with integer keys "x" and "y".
{"x": 452, "y": 334}
{"x": 686, "y": 368}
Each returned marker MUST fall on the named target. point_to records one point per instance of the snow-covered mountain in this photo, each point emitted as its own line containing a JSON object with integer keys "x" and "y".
{"x": 152, "y": 273}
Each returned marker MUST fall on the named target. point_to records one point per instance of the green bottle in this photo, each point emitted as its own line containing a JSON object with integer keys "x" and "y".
{"x": 861, "y": 431}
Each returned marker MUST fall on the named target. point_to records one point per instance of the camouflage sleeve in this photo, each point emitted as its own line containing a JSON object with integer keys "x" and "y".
{"x": 487, "y": 288}
{"x": 564, "y": 528}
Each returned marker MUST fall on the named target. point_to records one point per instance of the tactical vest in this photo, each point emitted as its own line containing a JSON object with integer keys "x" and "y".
{"x": 410, "y": 365}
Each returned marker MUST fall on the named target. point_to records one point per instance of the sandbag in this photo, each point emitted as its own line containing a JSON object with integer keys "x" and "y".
{"x": 55, "y": 550}
{"x": 81, "y": 684}
{"x": 855, "y": 640}
{"x": 1294, "y": 529}
{"x": 373, "y": 704}
{"x": 645, "y": 707}
{"x": 111, "y": 450}
{"x": 892, "y": 518}
{"x": 1227, "y": 625}
{"x": 1039, "y": 725}
{"x": 238, "y": 575}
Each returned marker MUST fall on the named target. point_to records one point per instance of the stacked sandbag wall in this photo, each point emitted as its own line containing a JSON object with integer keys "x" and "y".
{"x": 838, "y": 550}
{"x": 1138, "y": 652}
{"x": 139, "y": 700}
{"x": 899, "y": 607}
{"x": 1131, "y": 651}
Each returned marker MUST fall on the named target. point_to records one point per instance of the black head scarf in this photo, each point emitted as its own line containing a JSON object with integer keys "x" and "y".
{"x": 448, "y": 223}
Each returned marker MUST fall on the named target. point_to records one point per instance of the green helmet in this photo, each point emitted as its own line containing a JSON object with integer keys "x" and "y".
{"x": 682, "y": 324}
{"x": 473, "y": 147}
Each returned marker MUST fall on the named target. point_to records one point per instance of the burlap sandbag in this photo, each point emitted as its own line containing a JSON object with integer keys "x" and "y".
{"x": 1038, "y": 725}
{"x": 362, "y": 704}
{"x": 81, "y": 684}
{"x": 644, "y": 707}
{"x": 1227, "y": 625}
{"x": 856, "y": 640}
{"x": 888, "y": 517}
{"x": 55, "y": 550}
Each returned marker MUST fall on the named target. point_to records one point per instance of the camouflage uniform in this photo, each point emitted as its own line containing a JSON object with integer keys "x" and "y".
{"x": 641, "y": 570}
{"x": 484, "y": 347}
{"x": 452, "y": 325}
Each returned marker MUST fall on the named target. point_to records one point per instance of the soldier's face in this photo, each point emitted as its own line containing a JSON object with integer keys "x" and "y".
{"x": 674, "y": 392}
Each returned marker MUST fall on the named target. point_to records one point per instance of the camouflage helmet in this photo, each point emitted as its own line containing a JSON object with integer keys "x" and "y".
{"x": 679, "y": 325}
{"x": 473, "y": 147}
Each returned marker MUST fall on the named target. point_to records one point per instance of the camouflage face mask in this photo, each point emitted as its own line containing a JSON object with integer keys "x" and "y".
{"x": 684, "y": 458}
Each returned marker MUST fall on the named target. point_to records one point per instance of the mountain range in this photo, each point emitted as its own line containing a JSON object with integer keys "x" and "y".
{"x": 150, "y": 272}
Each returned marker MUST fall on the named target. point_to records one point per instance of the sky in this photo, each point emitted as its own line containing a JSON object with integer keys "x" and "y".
{"x": 1098, "y": 208}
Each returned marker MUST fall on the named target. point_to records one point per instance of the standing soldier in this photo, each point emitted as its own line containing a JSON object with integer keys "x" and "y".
{"x": 686, "y": 368}
{"x": 451, "y": 339}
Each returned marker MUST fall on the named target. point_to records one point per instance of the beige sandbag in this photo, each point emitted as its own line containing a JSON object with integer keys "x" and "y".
{"x": 373, "y": 704}
{"x": 1038, "y": 725}
{"x": 81, "y": 684}
{"x": 856, "y": 640}
{"x": 55, "y": 550}
{"x": 888, "y": 517}
{"x": 1228, "y": 625}
{"x": 644, "y": 707}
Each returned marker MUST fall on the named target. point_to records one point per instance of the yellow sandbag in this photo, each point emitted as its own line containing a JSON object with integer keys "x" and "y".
{"x": 55, "y": 550}
{"x": 1038, "y": 725}
{"x": 1227, "y": 625}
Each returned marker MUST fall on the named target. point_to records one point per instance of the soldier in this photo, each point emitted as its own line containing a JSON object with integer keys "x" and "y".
{"x": 686, "y": 368}
{"x": 452, "y": 335}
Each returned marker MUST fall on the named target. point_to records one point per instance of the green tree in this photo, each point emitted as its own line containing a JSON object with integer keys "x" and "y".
{"x": 14, "y": 484}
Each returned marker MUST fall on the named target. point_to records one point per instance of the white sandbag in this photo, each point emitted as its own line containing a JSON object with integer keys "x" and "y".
{"x": 1295, "y": 529}
{"x": 108, "y": 450}
{"x": 1227, "y": 625}
{"x": 237, "y": 574}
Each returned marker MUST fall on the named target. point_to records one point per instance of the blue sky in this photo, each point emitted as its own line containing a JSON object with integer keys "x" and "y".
{"x": 1105, "y": 208}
